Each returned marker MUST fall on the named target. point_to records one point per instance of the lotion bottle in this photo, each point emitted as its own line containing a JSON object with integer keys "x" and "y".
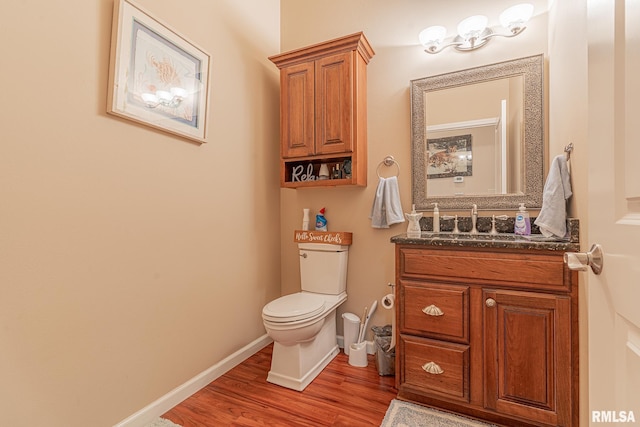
{"x": 523, "y": 222}
{"x": 436, "y": 218}
{"x": 305, "y": 219}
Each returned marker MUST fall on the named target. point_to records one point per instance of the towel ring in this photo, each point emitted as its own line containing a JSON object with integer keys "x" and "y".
{"x": 388, "y": 161}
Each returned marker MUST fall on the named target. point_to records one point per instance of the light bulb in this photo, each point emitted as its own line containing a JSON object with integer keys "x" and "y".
{"x": 432, "y": 36}
{"x": 178, "y": 92}
{"x": 472, "y": 27}
{"x": 164, "y": 96}
{"x": 150, "y": 99}
{"x": 516, "y": 16}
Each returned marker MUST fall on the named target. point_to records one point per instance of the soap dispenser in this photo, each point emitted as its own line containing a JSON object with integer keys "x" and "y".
{"x": 436, "y": 218}
{"x": 523, "y": 222}
{"x": 413, "y": 229}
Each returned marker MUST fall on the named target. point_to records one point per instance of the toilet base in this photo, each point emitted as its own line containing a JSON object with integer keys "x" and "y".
{"x": 296, "y": 366}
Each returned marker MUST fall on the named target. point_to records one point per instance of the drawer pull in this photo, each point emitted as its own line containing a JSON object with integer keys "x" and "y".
{"x": 432, "y": 310}
{"x": 432, "y": 368}
{"x": 490, "y": 302}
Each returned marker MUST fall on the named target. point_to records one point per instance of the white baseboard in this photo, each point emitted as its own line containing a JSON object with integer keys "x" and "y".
{"x": 180, "y": 393}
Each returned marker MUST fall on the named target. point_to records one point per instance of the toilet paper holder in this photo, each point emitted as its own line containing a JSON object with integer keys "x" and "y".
{"x": 389, "y": 299}
{"x": 581, "y": 261}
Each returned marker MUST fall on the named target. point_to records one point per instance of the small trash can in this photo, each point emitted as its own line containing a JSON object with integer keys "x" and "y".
{"x": 385, "y": 358}
{"x": 351, "y": 330}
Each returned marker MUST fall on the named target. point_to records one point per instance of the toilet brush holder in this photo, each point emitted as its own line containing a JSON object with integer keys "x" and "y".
{"x": 358, "y": 354}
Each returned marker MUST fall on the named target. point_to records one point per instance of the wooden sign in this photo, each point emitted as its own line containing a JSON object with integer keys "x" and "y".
{"x": 331, "y": 237}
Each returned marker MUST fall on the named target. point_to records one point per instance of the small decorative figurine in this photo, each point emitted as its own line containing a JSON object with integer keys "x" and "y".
{"x": 413, "y": 229}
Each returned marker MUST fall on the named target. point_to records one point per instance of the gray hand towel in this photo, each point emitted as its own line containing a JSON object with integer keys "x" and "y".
{"x": 552, "y": 219}
{"x": 387, "y": 208}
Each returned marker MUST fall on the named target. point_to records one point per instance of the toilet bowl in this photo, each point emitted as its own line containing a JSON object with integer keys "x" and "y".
{"x": 294, "y": 318}
{"x": 303, "y": 346}
{"x": 303, "y": 325}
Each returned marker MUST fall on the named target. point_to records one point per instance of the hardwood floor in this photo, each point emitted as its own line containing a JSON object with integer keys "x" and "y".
{"x": 342, "y": 395}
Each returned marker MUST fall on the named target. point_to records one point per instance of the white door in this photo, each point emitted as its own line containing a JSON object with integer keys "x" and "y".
{"x": 614, "y": 210}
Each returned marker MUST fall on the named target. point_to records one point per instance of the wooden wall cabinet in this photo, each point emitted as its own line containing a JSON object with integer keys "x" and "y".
{"x": 489, "y": 333}
{"x": 323, "y": 111}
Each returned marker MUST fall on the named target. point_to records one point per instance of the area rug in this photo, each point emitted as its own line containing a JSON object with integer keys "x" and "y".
{"x": 161, "y": 422}
{"x": 405, "y": 414}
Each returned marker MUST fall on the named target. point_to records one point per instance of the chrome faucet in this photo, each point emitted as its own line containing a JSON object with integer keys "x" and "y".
{"x": 474, "y": 219}
{"x": 494, "y": 232}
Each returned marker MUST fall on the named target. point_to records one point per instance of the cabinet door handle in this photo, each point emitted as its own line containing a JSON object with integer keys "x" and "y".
{"x": 490, "y": 302}
{"x": 432, "y": 310}
{"x": 432, "y": 368}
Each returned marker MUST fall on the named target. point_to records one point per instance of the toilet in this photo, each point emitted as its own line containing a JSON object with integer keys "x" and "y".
{"x": 303, "y": 325}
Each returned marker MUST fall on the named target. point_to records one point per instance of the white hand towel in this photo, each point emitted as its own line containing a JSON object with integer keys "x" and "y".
{"x": 378, "y": 217}
{"x": 393, "y": 206}
{"x": 387, "y": 208}
{"x": 552, "y": 219}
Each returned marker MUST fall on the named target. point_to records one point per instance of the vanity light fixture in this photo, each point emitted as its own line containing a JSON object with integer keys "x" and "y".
{"x": 171, "y": 98}
{"x": 473, "y": 31}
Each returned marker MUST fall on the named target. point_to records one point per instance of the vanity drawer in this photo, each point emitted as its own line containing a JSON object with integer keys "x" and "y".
{"x": 525, "y": 270}
{"x": 437, "y": 311}
{"x": 435, "y": 367}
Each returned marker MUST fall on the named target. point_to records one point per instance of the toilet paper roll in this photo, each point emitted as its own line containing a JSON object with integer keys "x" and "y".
{"x": 388, "y": 301}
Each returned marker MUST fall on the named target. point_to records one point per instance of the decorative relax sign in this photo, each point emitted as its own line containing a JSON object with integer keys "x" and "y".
{"x": 332, "y": 237}
{"x": 298, "y": 174}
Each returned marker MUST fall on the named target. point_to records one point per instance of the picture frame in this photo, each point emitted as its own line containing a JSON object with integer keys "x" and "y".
{"x": 449, "y": 156}
{"x": 157, "y": 77}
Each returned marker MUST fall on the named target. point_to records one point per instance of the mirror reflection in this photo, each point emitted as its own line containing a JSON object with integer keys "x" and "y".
{"x": 477, "y": 136}
{"x": 474, "y": 147}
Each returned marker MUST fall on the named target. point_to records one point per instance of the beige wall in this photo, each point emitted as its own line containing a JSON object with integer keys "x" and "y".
{"x": 392, "y": 29}
{"x": 130, "y": 260}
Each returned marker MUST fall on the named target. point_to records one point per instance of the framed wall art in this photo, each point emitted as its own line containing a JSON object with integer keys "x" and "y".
{"x": 156, "y": 76}
{"x": 449, "y": 156}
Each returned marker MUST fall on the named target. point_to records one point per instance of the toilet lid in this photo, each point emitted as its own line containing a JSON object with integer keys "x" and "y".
{"x": 293, "y": 307}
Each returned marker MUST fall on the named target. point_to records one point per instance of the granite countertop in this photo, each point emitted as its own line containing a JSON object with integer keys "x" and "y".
{"x": 501, "y": 240}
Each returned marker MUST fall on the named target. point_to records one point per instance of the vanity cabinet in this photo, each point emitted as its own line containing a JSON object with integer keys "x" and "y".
{"x": 323, "y": 112}
{"x": 491, "y": 333}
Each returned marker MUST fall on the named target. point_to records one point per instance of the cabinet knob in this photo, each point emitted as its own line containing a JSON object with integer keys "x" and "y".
{"x": 490, "y": 302}
{"x": 432, "y": 368}
{"x": 432, "y": 310}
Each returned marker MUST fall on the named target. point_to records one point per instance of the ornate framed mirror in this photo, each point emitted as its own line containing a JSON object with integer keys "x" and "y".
{"x": 478, "y": 137}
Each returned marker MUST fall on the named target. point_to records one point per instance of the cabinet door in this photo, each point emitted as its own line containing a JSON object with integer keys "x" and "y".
{"x": 334, "y": 104}
{"x": 297, "y": 110}
{"x": 527, "y": 355}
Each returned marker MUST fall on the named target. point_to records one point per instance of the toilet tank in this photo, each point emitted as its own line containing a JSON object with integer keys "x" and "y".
{"x": 323, "y": 268}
